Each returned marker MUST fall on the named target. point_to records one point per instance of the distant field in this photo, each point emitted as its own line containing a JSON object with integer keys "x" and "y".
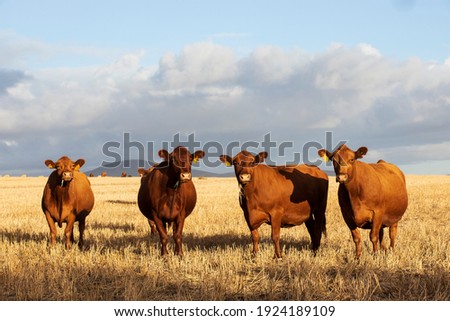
{"x": 122, "y": 262}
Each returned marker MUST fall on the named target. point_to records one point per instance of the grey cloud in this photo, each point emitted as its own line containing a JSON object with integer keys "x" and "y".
{"x": 9, "y": 78}
{"x": 359, "y": 95}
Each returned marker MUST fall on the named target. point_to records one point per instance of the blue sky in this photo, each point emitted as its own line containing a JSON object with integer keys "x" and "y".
{"x": 76, "y": 75}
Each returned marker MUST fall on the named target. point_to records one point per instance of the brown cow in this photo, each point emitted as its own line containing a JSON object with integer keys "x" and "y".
{"x": 371, "y": 196}
{"x": 67, "y": 198}
{"x": 281, "y": 196}
{"x": 142, "y": 172}
{"x": 124, "y": 174}
{"x": 167, "y": 194}
{"x": 104, "y": 174}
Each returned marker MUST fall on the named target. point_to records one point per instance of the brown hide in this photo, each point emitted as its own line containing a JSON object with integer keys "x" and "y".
{"x": 371, "y": 196}
{"x": 167, "y": 194}
{"x": 281, "y": 196}
{"x": 67, "y": 198}
{"x": 142, "y": 173}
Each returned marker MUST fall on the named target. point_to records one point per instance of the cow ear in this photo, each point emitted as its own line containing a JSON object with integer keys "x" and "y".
{"x": 50, "y": 164}
{"x": 197, "y": 155}
{"x": 164, "y": 154}
{"x": 226, "y": 160}
{"x": 260, "y": 157}
{"x": 79, "y": 163}
{"x": 142, "y": 171}
{"x": 326, "y": 155}
{"x": 361, "y": 152}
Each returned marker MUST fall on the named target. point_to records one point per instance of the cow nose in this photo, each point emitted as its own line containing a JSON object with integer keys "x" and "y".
{"x": 67, "y": 175}
{"x": 341, "y": 178}
{"x": 185, "y": 177}
{"x": 245, "y": 178}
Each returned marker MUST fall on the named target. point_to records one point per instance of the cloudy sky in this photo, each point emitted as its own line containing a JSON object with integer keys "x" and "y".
{"x": 78, "y": 77}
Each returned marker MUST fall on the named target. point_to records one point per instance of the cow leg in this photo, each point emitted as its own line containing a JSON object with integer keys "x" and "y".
{"x": 53, "y": 230}
{"x": 357, "y": 240}
{"x": 276, "y": 231}
{"x": 177, "y": 236}
{"x": 375, "y": 232}
{"x": 382, "y": 239}
{"x": 315, "y": 232}
{"x": 81, "y": 227}
{"x": 255, "y": 240}
{"x": 163, "y": 238}
{"x": 393, "y": 234}
{"x": 152, "y": 227}
{"x": 254, "y": 221}
{"x": 276, "y": 240}
{"x": 68, "y": 232}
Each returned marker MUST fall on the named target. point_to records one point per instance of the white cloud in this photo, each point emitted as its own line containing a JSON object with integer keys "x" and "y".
{"x": 197, "y": 65}
{"x": 369, "y": 50}
{"x": 21, "y": 91}
{"x": 272, "y": 65}
{"x": 357, "y": 93}
{"x": 447, "y": 62}
{"x": 9, "y": 143}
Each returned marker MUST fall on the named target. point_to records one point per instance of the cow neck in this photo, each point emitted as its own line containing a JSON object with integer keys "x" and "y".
{"x": 63, "y": 185}
{"x": 61, "y": 196}
{"x": 173, "y": 179}
{"x": 173, "y": 183}
{"x": 248, "y": 186}
{"x": 352, "y": 185}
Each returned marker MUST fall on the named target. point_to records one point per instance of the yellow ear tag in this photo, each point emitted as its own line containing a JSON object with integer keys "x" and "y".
{"x": 77, "y": 168}
{"x": 195, "y": 160}
{"x": 50, "y": 166}
{"x": 228, "y": 164}
{"x": 325, "y": 158}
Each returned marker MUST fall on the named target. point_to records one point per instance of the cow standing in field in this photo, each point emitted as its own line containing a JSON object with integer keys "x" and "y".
{"x": 167, "y": 194}
{"x": 371, "y": 196}
{"x": 67, "y": 198}
{"x": 281, "y": 196}
{"x": 142, "y": 172}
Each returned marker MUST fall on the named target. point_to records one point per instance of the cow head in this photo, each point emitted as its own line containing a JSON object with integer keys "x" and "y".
{"x": 244, "y": 163}
{"x": 343, "y": 161}
{"x": 65, "y": 167}
{"x": 180, "y": 160}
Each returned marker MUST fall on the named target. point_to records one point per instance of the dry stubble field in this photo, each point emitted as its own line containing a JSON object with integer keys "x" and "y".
{"x": 122, "y": 262}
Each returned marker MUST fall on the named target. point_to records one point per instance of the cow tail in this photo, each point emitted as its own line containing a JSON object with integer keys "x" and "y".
{"x": 321, "y": 216}
{"x": 320, "y": 224}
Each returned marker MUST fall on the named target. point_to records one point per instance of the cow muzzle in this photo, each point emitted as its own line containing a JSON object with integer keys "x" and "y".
{"x": 67, "y": 176}
{"x": 184, "y": 177}
{"x": 245, "y": 178}
{"x": 341, "y": 178}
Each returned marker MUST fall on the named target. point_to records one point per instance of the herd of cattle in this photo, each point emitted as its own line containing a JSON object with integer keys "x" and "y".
{"x": 371, "y": 196}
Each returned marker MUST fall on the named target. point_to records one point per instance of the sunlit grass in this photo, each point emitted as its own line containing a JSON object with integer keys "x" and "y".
{"x": 122, "y": 262}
